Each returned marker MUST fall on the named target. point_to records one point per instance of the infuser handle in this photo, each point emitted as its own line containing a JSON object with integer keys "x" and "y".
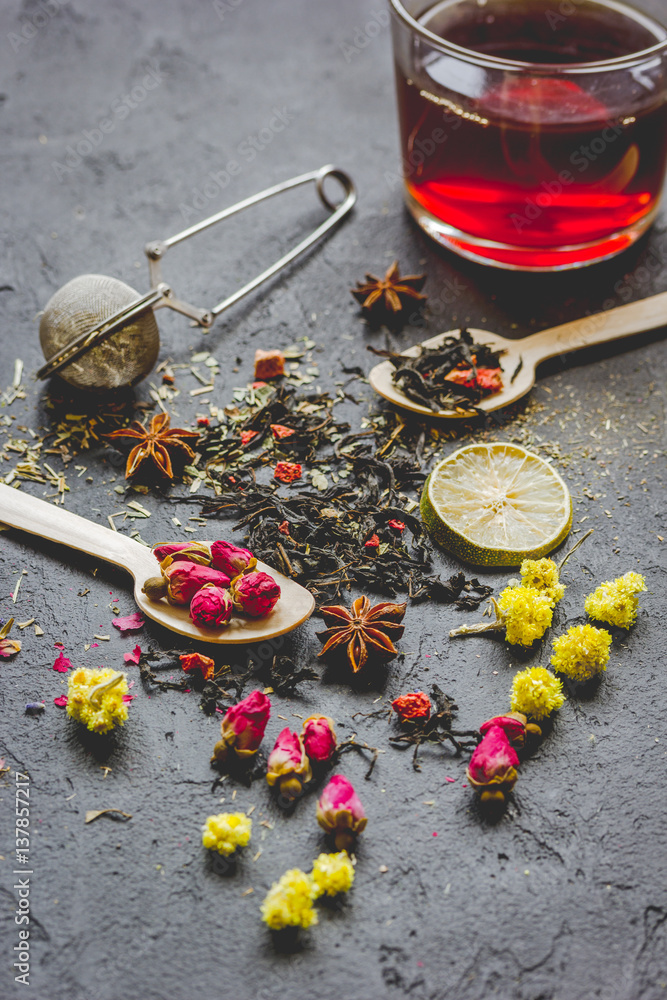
{"x": 156, "y": 249}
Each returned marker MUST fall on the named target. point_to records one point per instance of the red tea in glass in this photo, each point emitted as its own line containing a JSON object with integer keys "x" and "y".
{"x": 534, "y": 133}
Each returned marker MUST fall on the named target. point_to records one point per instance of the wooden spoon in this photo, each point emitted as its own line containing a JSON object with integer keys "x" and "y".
{"x": 637, "y": 317}
{"x": 19, "y": 510}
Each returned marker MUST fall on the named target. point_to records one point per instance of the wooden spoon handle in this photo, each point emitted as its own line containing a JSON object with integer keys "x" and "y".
{"x": 19, "y": 510}
{"x": 636, "y": 317}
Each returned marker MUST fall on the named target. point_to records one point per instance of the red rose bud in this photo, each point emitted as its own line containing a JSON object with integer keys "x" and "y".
{"x": 340, "y": 812}
{"x": 514, "y": 725}
{"x": 288, "y": 767}
{"x": 243, "y": 727}
{"x": 211, "y": 607}
{"x": 182, "y": 550}
{"x": 230, "y": 559}
{"x": 412, "y": 706}
{"x": 319, "y": 738}
{"x": 195, "y": 661}
{"x": 492, "y": 767}
{"x": 255, "y": 594}
{"x": 184, "y": 579}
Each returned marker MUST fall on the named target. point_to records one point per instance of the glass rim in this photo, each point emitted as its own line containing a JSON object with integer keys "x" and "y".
{"x": 496, "y": 62}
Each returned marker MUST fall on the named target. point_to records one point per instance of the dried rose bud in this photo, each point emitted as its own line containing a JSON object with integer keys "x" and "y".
{"x": 514, "y": 725}
{"x": 211, "y": 607}
{"x": 231, "y": 559}
{"x": 288, "y": 767}
{"x": 184, "y": 579}
{"x": 492, "y": 767}
{"x": 243, "y": 727}
{"x": 182, "y": 550}
{"x": 416, "y": 705}
{"x": 319, "y": 738}
{"x": 195, "y": 661}
{"x": 340, "y": 812}
{"x": 255, "y": 594}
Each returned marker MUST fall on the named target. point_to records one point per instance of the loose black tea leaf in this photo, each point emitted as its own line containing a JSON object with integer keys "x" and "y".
{"x": 456, "y": 375}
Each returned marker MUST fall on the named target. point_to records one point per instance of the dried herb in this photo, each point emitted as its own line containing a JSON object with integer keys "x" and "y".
{"x": 388, "y": 295}
{"x": 456, "y": 375}
{"x": 435, "y": 729}
{"x": 365, "y": 631}
{"x": 155, "y": 444}
{"x": 324, "y": 548}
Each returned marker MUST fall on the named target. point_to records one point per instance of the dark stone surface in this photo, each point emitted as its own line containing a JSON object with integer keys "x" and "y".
{"x": 566, "y": 897}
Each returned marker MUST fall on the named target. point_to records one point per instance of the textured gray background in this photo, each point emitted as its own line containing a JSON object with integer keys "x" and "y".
{"x": 566, "y": 897}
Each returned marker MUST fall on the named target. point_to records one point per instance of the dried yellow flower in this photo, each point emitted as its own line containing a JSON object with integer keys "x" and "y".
{"x": 616, "y": 601}
{"x": 289, "y": 902}
{"x": 536, "y": 692}
{"x": 542, "y": 575}
{"x": 332, "y": 873}
{"x": 226, "y": 831}
{"x": 582, "y": 652}
{"x": 95, "y": 698}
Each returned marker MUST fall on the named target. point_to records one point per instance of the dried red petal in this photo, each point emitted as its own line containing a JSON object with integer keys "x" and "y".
{"x": 287, "y": 472}
{"x": 416, "y": 705}
{"x": 247, "y": 436}
{"x": 280, "y": 431}
{"x": 62, "y": 664}
{"x": 203, "y": 422}
{"x": 372, "y": 543}
{"x": 195, "y": 661}
{"x": 131, "y": 623}
{"x": 284, "y": 528}
{"x": 396, "y": 525}
{"x": 60, "y": 701}
{"x": 134, "y": 656}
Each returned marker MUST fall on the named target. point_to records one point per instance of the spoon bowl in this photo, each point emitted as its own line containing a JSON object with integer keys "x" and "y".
{"x": 18, "y": 510}
{"x": 637, "y": 317}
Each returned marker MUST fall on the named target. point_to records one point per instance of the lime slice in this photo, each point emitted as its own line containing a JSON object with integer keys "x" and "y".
{"x": 496, "y": 505}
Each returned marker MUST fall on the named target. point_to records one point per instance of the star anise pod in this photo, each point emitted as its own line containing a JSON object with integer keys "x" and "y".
{"x": 366, "y": 631}
{"x": 155, "y": 444}
{"x": 389, "y": 295}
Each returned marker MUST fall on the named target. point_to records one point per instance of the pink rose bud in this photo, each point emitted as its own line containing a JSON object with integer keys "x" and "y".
{"x": 340, "y": 812}
{"x": 319, "y": 738}
{"x": 492, "y": 767}
{"x": 211, "y": 607}
{"x": 416, "y": 705}
{"x": 243, "y": 727}
{"x": 184, "y": 579}
{"x": 255, "y": 594}
{"x": 230, "y": 559}
{"x": 183, "y": 550}
{"x": 288, "y": 766}
{"x": 514, "y": 725}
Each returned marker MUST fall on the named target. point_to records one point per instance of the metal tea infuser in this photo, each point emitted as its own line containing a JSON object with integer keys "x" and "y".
{"x": 98, "y": 333}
